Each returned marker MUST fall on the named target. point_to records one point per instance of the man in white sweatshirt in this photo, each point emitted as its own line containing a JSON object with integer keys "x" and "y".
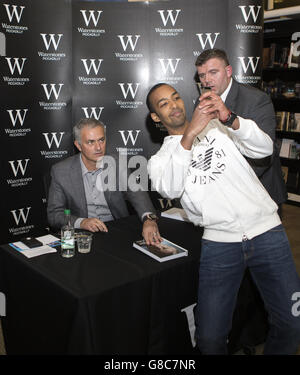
{"x": 201, "y": 163}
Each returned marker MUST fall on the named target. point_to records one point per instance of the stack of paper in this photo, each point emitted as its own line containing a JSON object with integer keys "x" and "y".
{"x": 48, "y": 242}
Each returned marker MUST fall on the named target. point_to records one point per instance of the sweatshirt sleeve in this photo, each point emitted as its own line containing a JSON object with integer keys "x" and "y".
{"x": 168, "y": 169}
{"x": 251, "y": 140}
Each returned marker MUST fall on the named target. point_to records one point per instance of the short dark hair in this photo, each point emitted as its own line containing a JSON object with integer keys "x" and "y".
{"x": 210, "y": 54}
{"x": 86, "y": 122}
{"x": 148, "y": 101}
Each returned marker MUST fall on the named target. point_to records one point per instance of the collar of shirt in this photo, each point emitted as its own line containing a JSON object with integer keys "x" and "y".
{"x": 85, "y": 170}
{"x": 225, "y": 93}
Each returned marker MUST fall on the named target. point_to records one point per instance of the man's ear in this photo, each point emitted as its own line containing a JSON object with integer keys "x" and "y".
{"x": 76, "y": 143}
{"x": 229, "y": 70}
{"x": 154, "y": 117}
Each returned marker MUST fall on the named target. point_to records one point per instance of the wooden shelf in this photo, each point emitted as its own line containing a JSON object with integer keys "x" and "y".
{"x": 293, "y": 199}
{"x": 288, "y": 162}
{"x": 283, "y": 74}
{"x": 285, "y": 134}
{"x": 280, "y": 33}
{"x": 288, "y": 105}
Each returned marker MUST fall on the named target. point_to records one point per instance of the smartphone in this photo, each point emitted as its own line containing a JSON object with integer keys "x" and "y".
{"x": 32, "y": 242}
{"x": 203, "y": 89}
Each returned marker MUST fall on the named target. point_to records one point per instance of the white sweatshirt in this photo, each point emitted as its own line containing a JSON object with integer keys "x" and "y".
{"x": 217, "y": 187}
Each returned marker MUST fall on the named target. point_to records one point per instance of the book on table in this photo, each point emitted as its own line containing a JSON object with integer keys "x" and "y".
{"x": 166, "y": 250}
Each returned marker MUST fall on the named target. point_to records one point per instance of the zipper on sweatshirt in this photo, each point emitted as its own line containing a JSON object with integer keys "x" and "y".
{"x": 244, "y": 238}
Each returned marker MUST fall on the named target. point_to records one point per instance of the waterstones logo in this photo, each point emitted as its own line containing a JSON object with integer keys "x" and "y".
{"x": 53, "y": 140}
{"x": 91, "y": 19}
{"x": 129, "y": 137}
{"x": 52, "y": 92}
{"x": 14, "y": 15}
{"x": 250, "y": 14}
{"x": 92, "y": 112}
{"x": 248, "y": 65}
{"x": 92, "y": 68}
{"x": 18, "y": 168}
{"x": 128, "y": 43}
{"x": 129, "y": 91}
{"x": 17, "y": 119}
{"x": 169, "y": 18}
{"x": 20, "y": 217}
{"x": 206, "y": 40}
{"x": 168, "y": 68}
{"x": 16, "y": 66}
{"x": 51, "y": 44}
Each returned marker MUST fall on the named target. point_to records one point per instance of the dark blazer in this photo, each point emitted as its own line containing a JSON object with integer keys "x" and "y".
{"x": 251, "y": 103}
{"x": 67, "y": 191}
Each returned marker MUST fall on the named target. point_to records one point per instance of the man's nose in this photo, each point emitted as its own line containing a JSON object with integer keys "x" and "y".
{"x": 174, "y": 103}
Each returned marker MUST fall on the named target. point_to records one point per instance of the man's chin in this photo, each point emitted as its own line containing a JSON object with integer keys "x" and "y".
{"x": 177, "y": 125}
{"x": 99, "y": 160}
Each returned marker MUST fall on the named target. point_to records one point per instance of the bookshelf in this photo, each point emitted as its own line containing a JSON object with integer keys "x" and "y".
{"x": 281, "y": 80}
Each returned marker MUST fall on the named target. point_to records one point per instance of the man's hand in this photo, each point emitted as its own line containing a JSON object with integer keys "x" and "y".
{"x": 199, "y": 121}
{"x": 93, "y": 225}
{"x": 151, "y": 233}
{"x": 211, "y": 102}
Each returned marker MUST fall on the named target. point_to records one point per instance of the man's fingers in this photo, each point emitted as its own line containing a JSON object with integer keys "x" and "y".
{"x": 94, "y": 225}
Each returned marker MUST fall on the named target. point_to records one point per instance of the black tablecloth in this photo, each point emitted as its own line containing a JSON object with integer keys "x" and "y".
{"x": 114, "y": 300}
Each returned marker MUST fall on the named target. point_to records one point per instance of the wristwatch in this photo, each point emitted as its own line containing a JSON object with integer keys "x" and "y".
{"x": 151, "y": 217}
{"x": 229, "y": 121}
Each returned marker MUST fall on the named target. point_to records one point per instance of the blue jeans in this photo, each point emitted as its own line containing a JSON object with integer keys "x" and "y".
{"x": 271, "y": 265}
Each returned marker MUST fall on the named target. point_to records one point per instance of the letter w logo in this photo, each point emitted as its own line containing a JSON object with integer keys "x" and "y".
{"x": 15, "y": 64}
{"x": 92, "y": 65}
{"x": 250, "y": 63}
{"x": 250, "y": 12}
{"x": 92, "y": 17}
{"x": 93, "y": 112}
{"x": 17, "y": 116}
{"x": 14, "y": 12}
{"x": 21, "y": 214}
{"x": 48, "y": 92}
{"x": 170, "y": 16}
{"x": 129, "y": 89}
{"x": 129, "y": 41}
{"x": 130, "y": 135}
{"x": 51, "y": 40}
{"x": 169, "y": 64}
{"x": 20, "y": 166}
{"x": 208, "y": 39}
{"x": 53, "y": 138}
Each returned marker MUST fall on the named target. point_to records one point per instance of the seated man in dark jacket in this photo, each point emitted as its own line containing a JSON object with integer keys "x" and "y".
{"x": 77, "y": 183}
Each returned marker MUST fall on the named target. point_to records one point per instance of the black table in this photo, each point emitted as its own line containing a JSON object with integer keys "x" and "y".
{"x": 114, "y": 300}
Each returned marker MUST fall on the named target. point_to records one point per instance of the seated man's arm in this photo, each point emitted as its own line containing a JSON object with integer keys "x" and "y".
{"x": 57, "y": 203}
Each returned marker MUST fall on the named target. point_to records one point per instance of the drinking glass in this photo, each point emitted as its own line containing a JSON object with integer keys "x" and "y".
{"x": 84, "y": 242}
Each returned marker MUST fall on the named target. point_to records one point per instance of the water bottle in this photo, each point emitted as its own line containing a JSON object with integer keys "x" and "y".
{"x": 67, "y": 237}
